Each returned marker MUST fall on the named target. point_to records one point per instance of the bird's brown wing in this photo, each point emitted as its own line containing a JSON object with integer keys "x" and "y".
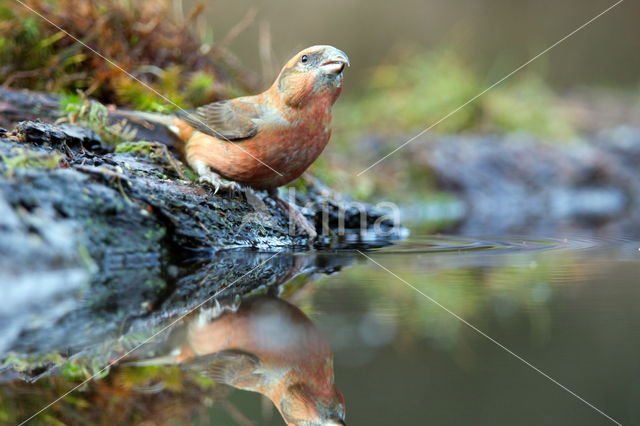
{"x": 226, "y": 120}
{"x": 232, "y": 367}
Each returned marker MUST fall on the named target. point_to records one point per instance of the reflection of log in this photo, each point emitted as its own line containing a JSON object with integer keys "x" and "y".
{"x": 129, "y": 304}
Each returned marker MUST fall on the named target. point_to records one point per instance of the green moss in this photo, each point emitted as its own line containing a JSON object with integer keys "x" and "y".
{"x": 29, "y": 159}
{"x": 171, "y": 376}
{"x": 82, "y": 369}
{"x": 70, "y": 371}
{"x": 140, "y": 97}
{"x": 203, "y": 382}
{"x": 25, "y": 363}
{"x": 155, "y": 234}
{"x": 200, "y": 88}
{"x": 79, "y": 110}
{"x": 190, "y": 174}
{"x": 157, "y": 151}
{"x": 299, "y": 185}
{"x": 138, "y": 147}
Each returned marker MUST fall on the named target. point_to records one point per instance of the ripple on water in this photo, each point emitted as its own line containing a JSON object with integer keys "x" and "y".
{"x": 446, "y": 244}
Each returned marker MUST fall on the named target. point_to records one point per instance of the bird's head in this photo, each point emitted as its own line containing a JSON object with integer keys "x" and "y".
{"x": 300, "y": 406}
{"x": 314, "y": 72}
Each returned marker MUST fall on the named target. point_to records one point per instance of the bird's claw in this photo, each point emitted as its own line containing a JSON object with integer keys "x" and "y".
{"x": 218, "y": 183}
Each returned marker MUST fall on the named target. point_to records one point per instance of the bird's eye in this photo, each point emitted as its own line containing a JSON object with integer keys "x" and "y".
{"x": 304, "y": 59}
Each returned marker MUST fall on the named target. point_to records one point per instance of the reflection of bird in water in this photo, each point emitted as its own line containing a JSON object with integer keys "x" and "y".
{"x": 265, "y": 345}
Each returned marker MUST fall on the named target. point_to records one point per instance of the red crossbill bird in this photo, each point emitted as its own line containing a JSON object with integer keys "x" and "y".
{"x": 264, "y": 345}
{"x": 266, "y": 140}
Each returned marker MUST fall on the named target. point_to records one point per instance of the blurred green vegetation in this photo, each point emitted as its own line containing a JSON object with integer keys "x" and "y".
{"x": 418, "y": 89}
{"x": 170, "y": 66}
{"x": 79, "y": 110}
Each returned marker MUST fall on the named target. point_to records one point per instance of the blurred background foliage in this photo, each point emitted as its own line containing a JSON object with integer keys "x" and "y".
{"x": 410, "y": 89}
{"x": 138, "y": 36}
{"x": 418, "y": 89}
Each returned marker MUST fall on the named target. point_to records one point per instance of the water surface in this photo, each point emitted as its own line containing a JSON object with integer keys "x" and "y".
{"x": 409, "y": 349}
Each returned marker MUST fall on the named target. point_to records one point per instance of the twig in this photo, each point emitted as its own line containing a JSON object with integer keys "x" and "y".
{"x": 107, "y": 173}
{"x": 178, "y": 11}
{"x": 235, "y": 414}
{"x": 101, "y": 171}
{"x": 238, "y": 29}
{"x": 196, "y": 12}
{"x": 265, "y": 49}
{"x": 21, "y": 74}
{"x": 175, "y": 165}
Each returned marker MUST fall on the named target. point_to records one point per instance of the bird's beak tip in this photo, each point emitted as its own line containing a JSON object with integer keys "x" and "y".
{"x": 342, "y": 57}
{"x": 336, "y": 55}
{"x": 337, "y": 62}
{"x": 345, "y": 59}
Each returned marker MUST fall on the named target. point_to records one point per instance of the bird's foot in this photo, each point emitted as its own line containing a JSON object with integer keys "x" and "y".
{"x": 217, "y": 182}
{"x": 295, "y": 215}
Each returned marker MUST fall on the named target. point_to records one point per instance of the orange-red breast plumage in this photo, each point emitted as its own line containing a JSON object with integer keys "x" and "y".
{"x": 268, "y": 140}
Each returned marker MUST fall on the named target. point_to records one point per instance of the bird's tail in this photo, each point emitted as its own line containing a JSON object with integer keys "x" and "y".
{"x": 166, "y": 120}
{"x": 161, "y": 360}
{"x": 144, "y": 117}
{"x": 151, "y": 126}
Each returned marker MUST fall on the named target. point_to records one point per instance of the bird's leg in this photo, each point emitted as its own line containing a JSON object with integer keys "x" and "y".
{"x": 295, "y": 215}
{"x": 206, "y": 175}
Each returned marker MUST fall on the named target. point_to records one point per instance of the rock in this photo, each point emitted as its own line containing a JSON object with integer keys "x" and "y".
{"x": 19, "y": 105}
{"x": 516, "y": 185}
{"x": 60, "y": 136}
